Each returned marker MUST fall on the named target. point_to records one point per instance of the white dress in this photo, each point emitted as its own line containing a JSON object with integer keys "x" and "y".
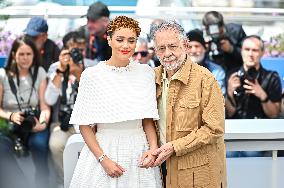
{"x": 116, "y": 100}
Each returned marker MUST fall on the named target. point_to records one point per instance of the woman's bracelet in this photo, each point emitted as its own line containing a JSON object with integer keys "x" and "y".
{"x": 101, "y": 158}
{"x": 10, "y": 117}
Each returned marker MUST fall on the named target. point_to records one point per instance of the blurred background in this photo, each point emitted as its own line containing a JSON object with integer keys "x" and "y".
{"x": 262, "y": 17}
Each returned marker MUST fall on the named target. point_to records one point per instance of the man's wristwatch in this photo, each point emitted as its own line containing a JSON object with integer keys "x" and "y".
{"x": 265, "y": 100}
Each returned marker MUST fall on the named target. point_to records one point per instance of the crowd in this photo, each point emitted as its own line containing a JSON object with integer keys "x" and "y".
{"x": 39, "y": 85}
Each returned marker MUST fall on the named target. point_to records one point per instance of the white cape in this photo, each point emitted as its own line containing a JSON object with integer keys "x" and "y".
{"x": 107, "y": 94}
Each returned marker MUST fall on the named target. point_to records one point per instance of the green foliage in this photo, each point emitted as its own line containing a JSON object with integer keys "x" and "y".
{"x": 4, "y": 128}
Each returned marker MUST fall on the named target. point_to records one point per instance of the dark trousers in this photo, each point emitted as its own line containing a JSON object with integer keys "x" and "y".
{"x": 11, "y": 175}
{"x": 164, "y": 173}
{"x": 38, "y": 144}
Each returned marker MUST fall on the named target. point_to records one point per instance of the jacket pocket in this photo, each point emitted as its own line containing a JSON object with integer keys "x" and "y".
{"x": 187, "y": 115}
{"x": 198, "y": 177}
{"x": 185, "y": 178}
{"x": 193, "y": 159}
{"x": 196, "y": 166}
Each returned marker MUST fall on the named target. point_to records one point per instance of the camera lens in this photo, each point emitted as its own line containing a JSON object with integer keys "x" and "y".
{"x": 76, "y": 55}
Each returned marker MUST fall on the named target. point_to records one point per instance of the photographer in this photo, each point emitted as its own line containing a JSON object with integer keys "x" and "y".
{"x": 224, "y": 40}
{"x": 196, "y": 50}
{"x": 22, "y": 88}
{"x": 253, "y": 92}
{"x": 61, "y": 93}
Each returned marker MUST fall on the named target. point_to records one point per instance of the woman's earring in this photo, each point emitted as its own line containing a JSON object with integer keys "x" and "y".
{"x": 108, "y": 40}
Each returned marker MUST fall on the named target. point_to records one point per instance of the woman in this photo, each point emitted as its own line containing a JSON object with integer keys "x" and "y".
{"x": 117, "y": 98}
{"x": 22, "y": 87}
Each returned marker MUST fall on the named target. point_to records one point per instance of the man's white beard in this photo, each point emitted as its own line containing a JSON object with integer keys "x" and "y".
{"x": 166, "y": 62}
{"x": 197, "y": 58}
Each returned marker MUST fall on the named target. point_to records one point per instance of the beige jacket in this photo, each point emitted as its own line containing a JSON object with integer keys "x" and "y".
{"x": 195, "y": 127}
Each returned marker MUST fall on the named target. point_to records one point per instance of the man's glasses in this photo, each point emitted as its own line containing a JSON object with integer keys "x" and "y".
{"x": 142, "y": 53}
{"x": 171, "y": 47}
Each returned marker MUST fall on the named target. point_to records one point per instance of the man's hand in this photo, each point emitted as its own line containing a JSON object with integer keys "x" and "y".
{"x": 233, "y": 83}
{"x": 64, "y": 59}
{"x": 163, "y": 153}
{"x": 255, "y": 89}
{"x": 226, "y": 46}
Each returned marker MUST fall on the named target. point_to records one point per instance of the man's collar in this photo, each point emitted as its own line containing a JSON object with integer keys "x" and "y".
{"x": 259, "y": 69}
{"x": 159, "y": 72}
{"x": 183, "y": 73}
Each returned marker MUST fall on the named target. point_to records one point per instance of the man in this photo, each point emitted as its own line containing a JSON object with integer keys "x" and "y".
{"x": 97, "y": 47}
{"x": 61, "y": 93}
{"x": 225, "y": 40}
{"x": 141, "y": 53}
{"x": 37, "y": 30}
{"x": 191, "y": 109}
{"x": 197, "y": 52}
{"x": 253, "y": 92}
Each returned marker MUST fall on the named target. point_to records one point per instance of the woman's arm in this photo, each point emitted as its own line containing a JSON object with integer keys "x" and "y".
{"x": 150, "y": 130}
{"x": 15, "y": 117}
{"x": 3, "y": 114}
{"x": 91, "y": 141}
{"x": 111, "y": 168}
{"x": 52, "y": 91}
{"x": 147, "y": 160}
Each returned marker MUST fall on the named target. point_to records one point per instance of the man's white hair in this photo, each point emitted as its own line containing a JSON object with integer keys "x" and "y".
{"x": 167, "y": 25}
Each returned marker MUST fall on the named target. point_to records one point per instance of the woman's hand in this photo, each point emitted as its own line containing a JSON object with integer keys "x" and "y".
{"x": 112, "y": 168}
{"x": 147, "y": 159}
{"x": 38, "y": 127}
{"x": 17, "y": 117}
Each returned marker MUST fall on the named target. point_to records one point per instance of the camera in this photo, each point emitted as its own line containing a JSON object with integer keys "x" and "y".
{"x": 64, "y": 118}
{"x": 22, "y": 132}
{"x": 76, "y": 55}
{"x": 251, "y": 74}
{"x": 29, "y": 121}
{"x": 214, "y": 38}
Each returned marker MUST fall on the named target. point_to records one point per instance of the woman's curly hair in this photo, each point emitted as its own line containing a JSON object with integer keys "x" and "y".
{"x": 123, "y": 22}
